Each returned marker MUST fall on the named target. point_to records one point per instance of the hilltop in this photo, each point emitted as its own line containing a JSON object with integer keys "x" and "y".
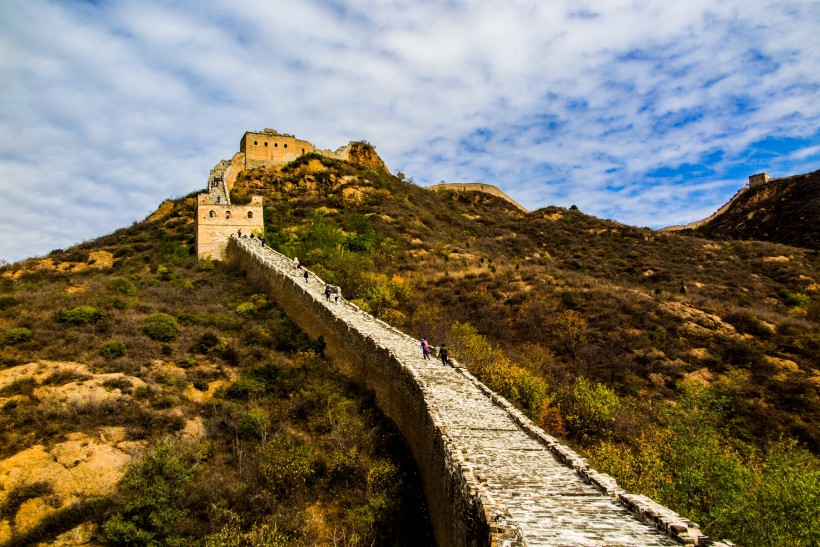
{"x": 782, "y": 210}
{"x": 686, "y": 367}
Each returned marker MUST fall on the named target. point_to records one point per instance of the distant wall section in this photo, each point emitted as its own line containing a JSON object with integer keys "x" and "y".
{"x": 476, "y": 187}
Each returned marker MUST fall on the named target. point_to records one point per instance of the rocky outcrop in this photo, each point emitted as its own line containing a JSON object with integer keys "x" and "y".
{"x": 77, "y": 466}
{"x": 363, "y": 153}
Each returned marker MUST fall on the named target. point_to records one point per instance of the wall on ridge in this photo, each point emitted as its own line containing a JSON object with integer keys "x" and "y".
{"x": 476, "y": 187}
{"x": 713, "y": 216}
{"x": 459, "y": 514}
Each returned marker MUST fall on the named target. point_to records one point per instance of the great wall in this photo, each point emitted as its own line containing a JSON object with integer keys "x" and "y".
{"x": 491, "y": 477}
{"x": 759, "y": 179}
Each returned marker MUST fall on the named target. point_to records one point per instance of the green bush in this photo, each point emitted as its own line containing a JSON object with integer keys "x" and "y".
{"x": 80, "y": 315}
{"x": 7, "y": 301}
{"x": 287, "y": 465}
{"x": 112, "y": 350}
{"x": 164, "y": 273}
{"x": 151, "y": 497}
{"x": 245, "y": 308}
{"x": 16, "y": 336}
{"x": 160, "y": 327}
{"x": 186, "y": 362}
{"x": 590, "y": 411}
{"x": 122, "y": 286}
{"x": 783, "y": 506}
{"x": 206, "y": 343}
{"x": 260, "y": 534}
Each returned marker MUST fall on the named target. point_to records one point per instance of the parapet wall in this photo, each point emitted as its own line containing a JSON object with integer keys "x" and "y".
{"x": 457, "y": 510}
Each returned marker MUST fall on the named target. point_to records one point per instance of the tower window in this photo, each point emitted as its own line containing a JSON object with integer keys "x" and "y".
{"x": 266, "y": 143}
{"x": 255, "y": 143}
{"x": 276, "y": 145}
{"x": 212, "y": 214}
{"x": 250, "y": 214}
{"x": 285, "y": 145}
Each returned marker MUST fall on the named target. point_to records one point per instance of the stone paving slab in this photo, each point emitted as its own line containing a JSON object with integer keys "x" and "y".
{"x": 547, "y": 499}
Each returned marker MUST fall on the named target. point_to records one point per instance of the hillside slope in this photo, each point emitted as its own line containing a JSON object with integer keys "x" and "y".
{"x": 686, "y": 367}
{"x": 619, "y": 337}
{"x": 148, "y": 399}
{"x": 786, "y": 210}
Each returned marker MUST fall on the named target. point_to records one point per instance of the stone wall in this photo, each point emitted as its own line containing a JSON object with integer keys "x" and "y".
{"x": 216, "y": 222}
{"x": 491, "y": 477}
{"x": 270, "y": 147}
{"x": 456, "y": 509}
{"x": 710, "y": 218}
{"x": 760, "y": 179}
{"x": 476, "y": 187}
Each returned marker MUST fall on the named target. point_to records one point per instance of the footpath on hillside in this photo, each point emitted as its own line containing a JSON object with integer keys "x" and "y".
{"x": 550, "y": 494}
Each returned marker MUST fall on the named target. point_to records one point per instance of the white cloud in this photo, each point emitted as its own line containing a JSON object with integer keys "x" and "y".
{"x": 107, "y": 109}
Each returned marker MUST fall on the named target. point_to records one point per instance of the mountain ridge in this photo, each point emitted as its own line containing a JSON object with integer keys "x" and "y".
{"x": 645, "y": 350}
{"x": 782, "y": 210}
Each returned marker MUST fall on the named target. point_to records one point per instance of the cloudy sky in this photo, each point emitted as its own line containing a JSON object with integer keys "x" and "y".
{"x": 647, "y": 112}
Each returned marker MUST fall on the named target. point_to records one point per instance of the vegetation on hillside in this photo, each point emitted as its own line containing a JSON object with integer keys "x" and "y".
{"x": 687, "y": 368}
{"x": 289, "y": 453}
{"x": 781, "y": 211}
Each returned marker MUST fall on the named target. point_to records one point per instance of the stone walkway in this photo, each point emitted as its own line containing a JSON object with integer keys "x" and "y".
{"x": 550, "y": 494}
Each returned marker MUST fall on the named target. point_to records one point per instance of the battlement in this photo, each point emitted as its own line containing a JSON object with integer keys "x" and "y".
{"x": 759, "y": 179}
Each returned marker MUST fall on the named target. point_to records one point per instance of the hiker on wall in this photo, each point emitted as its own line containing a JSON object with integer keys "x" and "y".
{"x": 307, "y": 276}
{"x": 327, "y": 292}
{"x": 425, "y": 349}
{"x": 442, "y": 352}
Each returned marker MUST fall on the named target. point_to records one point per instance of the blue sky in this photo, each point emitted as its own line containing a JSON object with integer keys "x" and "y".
{"x": 649, "y": 113}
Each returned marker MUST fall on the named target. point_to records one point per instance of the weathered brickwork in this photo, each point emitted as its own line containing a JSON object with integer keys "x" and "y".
{"x": 759, "y": 179}
{"x": 270, "y": 147}
{"x": 217, "y": 221}
{"x": 491, "y": 477}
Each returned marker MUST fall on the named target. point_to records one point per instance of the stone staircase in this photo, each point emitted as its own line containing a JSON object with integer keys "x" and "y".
{"x": 539, "y": 491}
{"x": 216, "y": 185}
